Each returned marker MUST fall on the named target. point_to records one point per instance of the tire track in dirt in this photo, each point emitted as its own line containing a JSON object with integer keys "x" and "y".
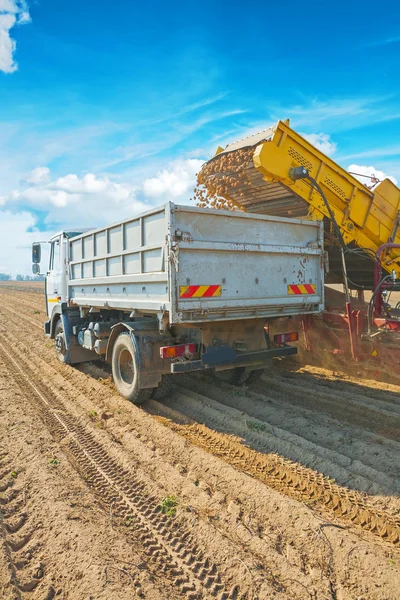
{"x": 76, "y": 534}
{"x": 110, "y": 400}
{"x": 363, "y": 410}
{"x": 371, "y": 413}
{"x": 16, "y": 534}
{"x": 65, "y": 382}
{"x": 266, "y": 423}
{"x": 238, "y": 419}
{"x": 173, "y": 551}
{"x": 267, "y": 437}
{"x": 297, "y": 398}
{"x": 365, "y": 519}
{"x": 290, "y": 478}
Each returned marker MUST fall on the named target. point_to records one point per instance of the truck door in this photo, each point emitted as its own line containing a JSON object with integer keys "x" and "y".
{"x": 53, "y": 277}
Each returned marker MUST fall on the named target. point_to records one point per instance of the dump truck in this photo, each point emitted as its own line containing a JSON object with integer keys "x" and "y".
{"x": 278, "y": 172}
{"x": 181, "y": 289}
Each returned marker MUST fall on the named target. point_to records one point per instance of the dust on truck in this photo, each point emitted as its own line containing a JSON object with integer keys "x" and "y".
{"x": 181, "y": 289}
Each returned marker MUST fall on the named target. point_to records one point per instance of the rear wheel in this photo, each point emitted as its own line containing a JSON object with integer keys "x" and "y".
{"x": 59, "y": 340}
{"x": 126, "y": 372}
{"x": 164, "y": 388}
{"x": 238, "y": 375}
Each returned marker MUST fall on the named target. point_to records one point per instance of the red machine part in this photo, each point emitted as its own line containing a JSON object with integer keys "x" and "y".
{"x": 364, "y": 332}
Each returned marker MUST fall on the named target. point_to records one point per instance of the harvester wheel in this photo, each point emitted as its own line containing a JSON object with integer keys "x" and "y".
{"x": 126, "y": 372}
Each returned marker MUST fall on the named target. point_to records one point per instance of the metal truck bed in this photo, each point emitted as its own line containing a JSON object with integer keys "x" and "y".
{"x": 196, "y": 265}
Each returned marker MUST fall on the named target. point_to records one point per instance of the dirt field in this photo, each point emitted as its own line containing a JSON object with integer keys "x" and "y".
{"x": 285, "y": 489}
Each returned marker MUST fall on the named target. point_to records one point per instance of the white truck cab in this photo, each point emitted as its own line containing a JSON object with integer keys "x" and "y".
{"x": 56, "y": 283}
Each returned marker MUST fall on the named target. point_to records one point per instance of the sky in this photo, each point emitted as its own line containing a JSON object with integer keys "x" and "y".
{"x": 108, "y": 109}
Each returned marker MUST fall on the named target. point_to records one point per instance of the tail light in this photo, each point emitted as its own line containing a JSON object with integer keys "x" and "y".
{"x": 283, "y": 338}
{"x": 176, "y": 351}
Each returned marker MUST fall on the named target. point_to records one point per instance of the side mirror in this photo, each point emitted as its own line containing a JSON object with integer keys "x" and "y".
{"x": 36, "y": 269}
{"x": 36, "y": 252}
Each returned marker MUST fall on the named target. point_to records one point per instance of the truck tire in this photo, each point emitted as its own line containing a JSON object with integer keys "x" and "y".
{"x": 126, "y": 372}
{"x": 59, "y": 340}
{"x": 164, "y": 388}
{"x": 238, "y": 376}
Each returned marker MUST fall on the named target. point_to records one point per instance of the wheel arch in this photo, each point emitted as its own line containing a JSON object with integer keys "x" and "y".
{"x": 146, "y": 343}
{"x": 115, "y": 331}
{"x": 55, "y": 317}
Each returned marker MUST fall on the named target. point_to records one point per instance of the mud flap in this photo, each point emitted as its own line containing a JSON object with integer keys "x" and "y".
{"x": 150, "y": 373}
{"x": 75, "y": 353}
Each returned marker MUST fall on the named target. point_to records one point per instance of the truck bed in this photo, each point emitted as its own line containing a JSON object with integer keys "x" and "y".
{"x": 197, "y": 265}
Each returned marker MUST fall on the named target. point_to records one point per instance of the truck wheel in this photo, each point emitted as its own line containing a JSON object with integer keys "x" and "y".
{"x": 59, "y": 339}
{"x": 238, "y": 375}
{"x": 126, "y": 374}
{"x": 164, "y": 388}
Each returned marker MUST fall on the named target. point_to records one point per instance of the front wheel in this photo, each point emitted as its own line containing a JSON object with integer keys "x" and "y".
{"x": 59, "y": 339}
{"x": 126, "y": 372}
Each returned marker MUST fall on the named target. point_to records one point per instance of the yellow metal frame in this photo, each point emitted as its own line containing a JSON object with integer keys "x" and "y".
{"x": 368, "y": 218}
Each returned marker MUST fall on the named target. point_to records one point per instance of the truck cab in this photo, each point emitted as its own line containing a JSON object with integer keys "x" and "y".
{"x": 56, "y": 280}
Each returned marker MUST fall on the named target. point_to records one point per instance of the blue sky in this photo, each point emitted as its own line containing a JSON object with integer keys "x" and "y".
{"x": 108, "y": 108}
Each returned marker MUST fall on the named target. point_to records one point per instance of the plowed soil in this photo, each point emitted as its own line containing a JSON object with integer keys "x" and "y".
{"x": 288, "y": 488}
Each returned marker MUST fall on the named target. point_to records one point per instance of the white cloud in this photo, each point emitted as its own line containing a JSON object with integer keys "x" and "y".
{"x": 12, "y": 12}
{"x": 42, "y": 191}
{"x": 74, "y": 201}
{"x": 322, "y": 142}
{"x": 175, "y": 182}
{"x": 16, "y": 241}
{"x": 71, "y": 200}
{"x": 8, "y": 6}
{"x": 359, "y": 170}
{"x": 38, "y": 175}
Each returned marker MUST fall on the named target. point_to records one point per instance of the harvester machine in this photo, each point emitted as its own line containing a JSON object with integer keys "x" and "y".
{"x": 278, "y": 172}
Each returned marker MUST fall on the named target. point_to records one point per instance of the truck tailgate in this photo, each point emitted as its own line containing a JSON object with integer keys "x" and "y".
{"x": 233, "y": 265}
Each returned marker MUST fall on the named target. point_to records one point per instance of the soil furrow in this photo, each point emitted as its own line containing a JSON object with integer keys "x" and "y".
{"x": 364, "y": 468}
{"x": 263, "y": 437}
{"x": 359, "y": 409}
{"x": 250, "y": 421}
{"x": 166, "y": 545}
{"x": 283, "y": 547}
{"x": 20, "y": 315}
{"x": 17, "y": 535}
{"x": 240, "y": 529}
{"x": 266, "y": 423}
{"x": 371, "y": 409}
{"x": 293, "y": 479}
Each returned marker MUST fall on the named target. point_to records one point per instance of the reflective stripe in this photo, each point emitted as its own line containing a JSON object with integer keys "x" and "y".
{"x": 200, "y": 291}
{"x": 302, "y": 288}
